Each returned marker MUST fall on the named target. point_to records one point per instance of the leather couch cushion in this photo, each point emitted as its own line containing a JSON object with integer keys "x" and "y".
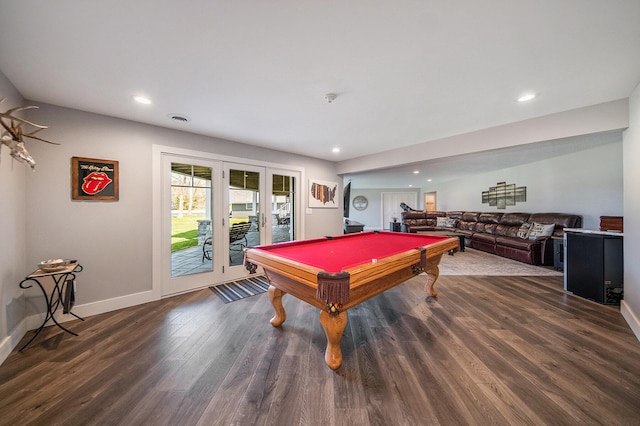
{"x": 467, "y": 226}
{"x": 412, "y": 215}
{"x": 470, "y": 216}
{"x": 514, "y": 219}
{"x": 507, "y": 231}
{"x": 487, "y": 238}
{"x": 490, "y": 217}
{"x": 517, "y": 243}
{"x": 434, "y": 215}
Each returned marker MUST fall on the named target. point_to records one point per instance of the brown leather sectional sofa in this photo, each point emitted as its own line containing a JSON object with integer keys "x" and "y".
{"x": 497, "y": 233}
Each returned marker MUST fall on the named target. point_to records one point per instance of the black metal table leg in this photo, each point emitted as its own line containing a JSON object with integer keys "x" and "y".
{"x": 54, "y": 300}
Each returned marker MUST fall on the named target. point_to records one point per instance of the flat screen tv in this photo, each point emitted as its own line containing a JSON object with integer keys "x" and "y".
{"x": 346, "y": 202}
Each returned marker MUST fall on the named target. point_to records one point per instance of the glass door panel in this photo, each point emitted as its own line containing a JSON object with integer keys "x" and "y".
{"x": 246, "y": 216}
{"x": 191, "y": 230}
{"x": 283, "y": 207}
{"x": 189, "y": 239}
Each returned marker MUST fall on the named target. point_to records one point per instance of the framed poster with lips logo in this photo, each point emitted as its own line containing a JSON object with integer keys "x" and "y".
{"x": 93, "y": 179}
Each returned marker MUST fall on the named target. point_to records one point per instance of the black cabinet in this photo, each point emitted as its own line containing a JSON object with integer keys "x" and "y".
{"x": 395, "y": 226}
{"x": 351, "y": 226}
{"x": 558, "y": 253}
{"x": 595, "y": 266}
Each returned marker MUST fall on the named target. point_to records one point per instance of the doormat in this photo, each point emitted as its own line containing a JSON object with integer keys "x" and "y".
{"x": 236, "y": 290}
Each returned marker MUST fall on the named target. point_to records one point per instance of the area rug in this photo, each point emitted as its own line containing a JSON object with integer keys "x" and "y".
{"x": 476, "y": 262}
{"x": 236, "y": 290}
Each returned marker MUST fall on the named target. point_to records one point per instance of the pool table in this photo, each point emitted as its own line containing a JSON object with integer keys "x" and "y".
{"x": 337, "y": 273}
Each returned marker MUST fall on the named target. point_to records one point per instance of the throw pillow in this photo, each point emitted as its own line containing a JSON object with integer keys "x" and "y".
{"x": 451, "y": 222}
{"x": 541, "y": 230}
{"x": 446, "y": 222}
{"x": 524, "y": 230}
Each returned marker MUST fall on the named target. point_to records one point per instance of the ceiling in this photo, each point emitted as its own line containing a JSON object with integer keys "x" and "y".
{"x": 403, "y": 72}
{"x": 419, "y": 174}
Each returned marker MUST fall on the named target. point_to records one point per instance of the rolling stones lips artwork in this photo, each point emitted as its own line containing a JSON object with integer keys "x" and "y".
{"x": 95, "y": 182}
{"x": 93, "y": 179}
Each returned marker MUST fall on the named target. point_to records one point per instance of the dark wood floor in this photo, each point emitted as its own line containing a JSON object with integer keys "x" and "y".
{"x": 488, "y": 350}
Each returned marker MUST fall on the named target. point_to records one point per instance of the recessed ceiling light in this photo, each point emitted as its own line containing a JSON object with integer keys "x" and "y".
{"x": 142, "y": 100}
{"x": 429, "y": 180}
{"x": 336, "y": 150}
{"x": 415, "y": 172}
{"x": 526, "y": 97}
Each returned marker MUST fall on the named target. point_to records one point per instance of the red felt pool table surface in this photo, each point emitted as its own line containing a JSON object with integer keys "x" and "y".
{"x": 335, "y": 254}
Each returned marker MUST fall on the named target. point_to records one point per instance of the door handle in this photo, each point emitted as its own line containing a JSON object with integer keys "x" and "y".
{"x": 264, "y": 219}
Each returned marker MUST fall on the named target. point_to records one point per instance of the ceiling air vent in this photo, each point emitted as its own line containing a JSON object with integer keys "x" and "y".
{"x": 179, "y": 117}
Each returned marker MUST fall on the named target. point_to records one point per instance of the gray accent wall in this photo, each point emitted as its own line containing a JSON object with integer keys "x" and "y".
{"x": 13, "y": 241}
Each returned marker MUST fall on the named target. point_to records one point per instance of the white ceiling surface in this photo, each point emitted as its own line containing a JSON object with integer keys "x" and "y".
{"x": 405, "y": 72}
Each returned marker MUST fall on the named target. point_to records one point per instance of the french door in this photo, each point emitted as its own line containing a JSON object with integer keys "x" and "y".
{"x": 213, "y": 210}
{"x": 262, "y": 201}
{"x": 191, "y": 200}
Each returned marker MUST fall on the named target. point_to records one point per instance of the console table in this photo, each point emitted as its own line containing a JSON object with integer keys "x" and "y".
{"x": 62, "y": 293}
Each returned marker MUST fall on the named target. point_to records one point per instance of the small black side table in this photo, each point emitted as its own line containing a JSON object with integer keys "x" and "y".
{"x": 62, "y": 293}
{"x": 558, "y": 253}
{"x": 395, "y": 226}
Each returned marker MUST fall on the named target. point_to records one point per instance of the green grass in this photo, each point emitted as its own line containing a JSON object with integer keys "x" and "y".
{"x": 185, "y": 231}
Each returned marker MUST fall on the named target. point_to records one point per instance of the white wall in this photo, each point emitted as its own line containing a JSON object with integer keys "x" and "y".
{"x": 631, "y": 304}
{"x": 588, "y": 183}
{"x": 372, "y": 215}
{"x": 13, "y": 251}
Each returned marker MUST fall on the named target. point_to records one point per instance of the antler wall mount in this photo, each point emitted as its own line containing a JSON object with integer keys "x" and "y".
{"x": 13, "y": 135}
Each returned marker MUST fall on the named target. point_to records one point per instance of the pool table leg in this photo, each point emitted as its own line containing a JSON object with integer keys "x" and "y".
{"x": 333, "y": 326}
{"x": 433, "y": 272}
{"x": 275, "y": 295}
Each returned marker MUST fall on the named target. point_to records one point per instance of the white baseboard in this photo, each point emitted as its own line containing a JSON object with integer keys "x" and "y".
{"x": 630, "y": 317}
{"x": 9, "y": 343}
{"x": 88, "y": 309}
{"x": 114, "y": 304}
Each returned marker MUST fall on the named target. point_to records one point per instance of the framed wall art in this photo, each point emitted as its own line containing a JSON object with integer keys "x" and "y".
{"x": 360, "y": 202}
{"x": 503, "y": 195}
{"x": 93, "y": 179}
{"x": 323, "y": 194}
